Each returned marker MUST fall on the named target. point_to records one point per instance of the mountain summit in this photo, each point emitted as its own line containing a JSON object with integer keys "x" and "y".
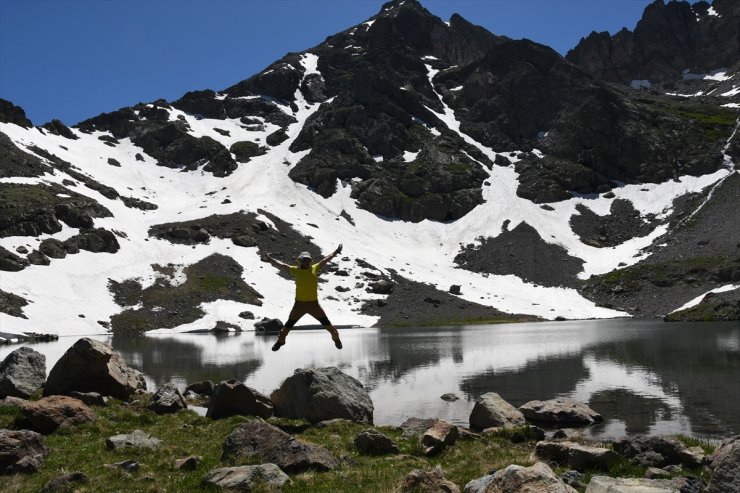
{"x": 469, "y": 176}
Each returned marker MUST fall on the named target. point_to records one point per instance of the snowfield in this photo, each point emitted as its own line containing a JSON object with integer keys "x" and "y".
{"x": 61, "y": 294}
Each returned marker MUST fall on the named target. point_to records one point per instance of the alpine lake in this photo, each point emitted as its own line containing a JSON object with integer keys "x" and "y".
{"x": 643, "y": 376}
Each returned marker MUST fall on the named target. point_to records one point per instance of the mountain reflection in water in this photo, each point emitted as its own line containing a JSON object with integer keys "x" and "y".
{"x": 643, "y": 376}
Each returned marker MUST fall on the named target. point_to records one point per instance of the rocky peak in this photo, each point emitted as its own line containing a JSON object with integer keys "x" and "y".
{"x": 669, "y": 39}
{"x": 10, "y": 113}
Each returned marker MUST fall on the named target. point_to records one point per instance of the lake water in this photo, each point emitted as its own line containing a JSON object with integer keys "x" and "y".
{"x": 643, "y": 376}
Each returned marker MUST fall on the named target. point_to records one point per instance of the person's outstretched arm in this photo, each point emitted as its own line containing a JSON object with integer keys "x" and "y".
{"x": 278, "y": 263}
{"x": 326, "y": 259}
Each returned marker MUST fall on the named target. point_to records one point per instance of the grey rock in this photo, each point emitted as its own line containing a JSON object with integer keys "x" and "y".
{"x": 318, "y": 394}
{"x": 726, "y": 470}
{"x": 205, "y": 387}
{"x": 441, "y": 435}
{"x": 491, "y": 410}
{"x": 268, "y": 325}
{"x": 382, "y": 287}
{"x": 656, "y": 473}
{"x": 574, "y": 479}
{"x": 135, "y": 439}
{"x": 92, "y": 366}
{"x": 606, "y": 484}
{"x": 49, "y": 413}
{"x": 724, "y": 448}
{"x": 232, "y": 398}
{"x": 416, "y": 426}
{"x": 245, "y": 478}
{"x": 22, "y": 373}
{"x": 518, "y": 479}
{"x": 333, "y": 422}
{"x": 64, "y": 482}
{"x": 188, "y": 463}
{"x": 479, "y": 485}
{"x": 243, "y": 241}
{"x": 569, "y": 434}
{"x": 21, "y": 451}
{"x": 427, "y": 481}
{"x": 12, "y": 402}
{"x": 90, "y": 398}
{"x": 575, "y": 455}
{"x": 559, "y": 411}
{"x": 167, "y": 399}
{"x": 271, "y": 444}
{"x": 128, "y": 465}
{"x": 373, "y": 442}
{"x": 449, "y": 397}
{"x": 656, "y": 451}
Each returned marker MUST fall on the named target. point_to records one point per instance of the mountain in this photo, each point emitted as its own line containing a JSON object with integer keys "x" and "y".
{"x": 673, "y": 42}
{"x": 469, "y": 176}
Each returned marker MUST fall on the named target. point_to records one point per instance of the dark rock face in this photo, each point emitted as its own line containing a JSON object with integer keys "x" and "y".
{"x": 167, "y": 399}
{"x": 670, "y": 38}
{"x": 49, "y": 413}
{"x": 10, "y": 303}
{"x": 92, "y": 366}
{"x": 10, "y": 113}
{"x": 21, "y": 451}
{"x": 56, "y": 127}
{"x": 319, "y": 394}
{"x": 15, "y": 162}
{"x": 621, "y": 224}
{"x": 11, "y": 262}
{"x": 215, "y": 277}
{"x": 524, "y": 253}
{"x": 30, "y": 210}
{"x": 269, "y": 325}
{"x": 270, "y": 444}
{"x": 234, "y": 398}
{"x": 699, "y": 253}
{"x": 22, "y": 373}
{"x": 246, "y": 150}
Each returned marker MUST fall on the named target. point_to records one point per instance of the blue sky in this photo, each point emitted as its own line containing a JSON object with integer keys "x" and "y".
{"x": 74, "y": 59}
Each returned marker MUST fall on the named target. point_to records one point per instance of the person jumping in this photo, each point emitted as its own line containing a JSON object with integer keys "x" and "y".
{"x": 306, "y": 294}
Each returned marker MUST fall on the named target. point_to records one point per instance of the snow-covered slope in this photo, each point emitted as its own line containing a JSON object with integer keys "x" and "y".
{"x": 72, "y": 296}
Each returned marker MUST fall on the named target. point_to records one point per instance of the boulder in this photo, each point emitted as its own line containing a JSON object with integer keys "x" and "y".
{"x": 538, "y": 478}
{"x": 657, "y": 451}
{"x": 724, "y": 448}
{"x": 726, "y": 469}
{"x": 382, "y": 287}
{"x": 416, "y": 426}
{"x": 21, "y": 451}
{"x": 268, "y": 325}
{"x": 576, "y": 456}
{"x": 318, "y": 394}
{"x": 205, "y": 387}
{"x": 49, "y": 413}
{"x": 188, "y": 463}
{"x": 92, "y": 366}
{"x": 442, "y": 434}
{"x": 373, "y": 442}
{"x": 234, "y": 398}
{"x": 64, "y": 482}
{"x": 606, "y": 484}
{"x": 167, "y": 399}
{"x": 90, "y": 398}
{"x": 22, "y": 373}
{"x": 271, "y": 444}
{"x": 135, "y": 439}
{"x": 432, "y": 481}
{"x": 491, "y": 410}
{"x": 560, "y": 411}
{"x": 246, "y": 478}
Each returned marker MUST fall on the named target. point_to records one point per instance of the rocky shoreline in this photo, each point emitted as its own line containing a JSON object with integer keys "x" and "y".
{"x": 93, "y": 415}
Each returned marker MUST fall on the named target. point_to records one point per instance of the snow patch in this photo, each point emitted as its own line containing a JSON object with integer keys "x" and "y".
{"x": 732, "y": 92}
{"x": 697, "y": 300}
{"x": 458, "y": 88}
{"x": 409, "y": 156}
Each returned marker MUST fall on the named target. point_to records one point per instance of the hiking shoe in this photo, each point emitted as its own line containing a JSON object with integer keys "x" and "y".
{"x": 337, "y": 342}
{"x": 278, "y": 344}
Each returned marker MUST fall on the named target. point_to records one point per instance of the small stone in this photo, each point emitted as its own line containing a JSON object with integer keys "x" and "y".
{"x": 247, "y": 478}
{"x": 64, "y": 482}
{"x": 655, "y": 473}
{"x": 449, "y": 397}
{"x": 135, "y": 439}
{"x": 188, "y": 463}
{"x": 129, "y": 465}
{"x": 373, "y": 442}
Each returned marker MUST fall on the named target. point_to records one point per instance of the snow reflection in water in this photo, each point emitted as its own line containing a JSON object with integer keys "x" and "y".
{"x": 643, "y": 376}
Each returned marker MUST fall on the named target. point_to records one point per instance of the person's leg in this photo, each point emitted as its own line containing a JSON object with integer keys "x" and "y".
{"x": 296, "y": 313}
{"x": 318, "y": 313}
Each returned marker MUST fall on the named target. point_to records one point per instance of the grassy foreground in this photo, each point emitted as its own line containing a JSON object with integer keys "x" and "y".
{"x": 82, "y": 448}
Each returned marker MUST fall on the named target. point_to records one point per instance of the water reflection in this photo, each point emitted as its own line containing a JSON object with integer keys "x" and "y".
{"x": 643, "y": 376}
